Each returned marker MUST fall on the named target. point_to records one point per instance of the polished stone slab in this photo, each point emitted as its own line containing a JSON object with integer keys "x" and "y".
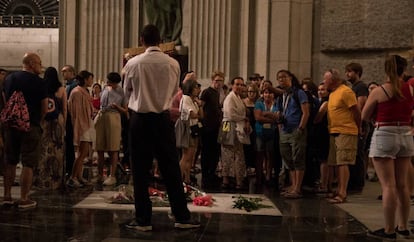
{"x": 223, "y": 203}
{"x": 309, "y": 219}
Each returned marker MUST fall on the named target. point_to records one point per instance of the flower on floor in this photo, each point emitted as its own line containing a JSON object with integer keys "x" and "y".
{"x": 206, "y": 200}
{"x": 248, "y": 204}
{"x": 125, "y": 195}
{"x": 192, "y": 192}
{"x": 155, "y": 192}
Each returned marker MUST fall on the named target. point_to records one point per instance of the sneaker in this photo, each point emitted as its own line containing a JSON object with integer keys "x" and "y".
{"x": 189, "y": 224}
{"x": 109, "y": 181}
{"x": 140, "y": 227}
{"x": 403, "y": 233}
{"x": 73, "y": 183}
{"x": 380, "y": 234}
{"x": 7, "y": 202}
{"x": 84, "y": 182}
{"x": 27, "y": 204}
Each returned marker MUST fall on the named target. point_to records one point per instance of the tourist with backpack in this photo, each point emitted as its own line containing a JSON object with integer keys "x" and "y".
{"x": 292, "y": 118}
{"x": 24, "y": 146}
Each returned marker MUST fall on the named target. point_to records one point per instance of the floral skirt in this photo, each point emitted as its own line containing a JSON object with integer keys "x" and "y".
{"x": 232, "y": 159}
{"x": 49, "y": 171}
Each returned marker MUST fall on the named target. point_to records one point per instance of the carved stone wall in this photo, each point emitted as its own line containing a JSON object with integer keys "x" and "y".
{"x": 363, "y": 31}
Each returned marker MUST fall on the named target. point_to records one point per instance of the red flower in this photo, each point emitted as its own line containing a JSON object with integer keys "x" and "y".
{"x": 205, "y": 200}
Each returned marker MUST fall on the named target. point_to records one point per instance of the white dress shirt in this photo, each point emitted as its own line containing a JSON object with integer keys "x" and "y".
{"x": 151, "y": 81}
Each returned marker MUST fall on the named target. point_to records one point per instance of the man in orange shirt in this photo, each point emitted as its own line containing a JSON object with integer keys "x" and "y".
{"x": 344, "y": 118}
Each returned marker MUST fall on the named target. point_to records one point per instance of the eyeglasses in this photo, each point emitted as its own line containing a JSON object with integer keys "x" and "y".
{"x": 219, "y": 80}
{"x": 251, "y": 91}
{"x": 282, "y": 78}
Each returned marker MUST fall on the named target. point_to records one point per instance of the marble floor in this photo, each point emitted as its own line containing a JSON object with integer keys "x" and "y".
{"x": 308, "y": 219}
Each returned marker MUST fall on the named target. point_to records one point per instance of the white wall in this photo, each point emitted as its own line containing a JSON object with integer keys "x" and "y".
{"x": 14, "y": 42}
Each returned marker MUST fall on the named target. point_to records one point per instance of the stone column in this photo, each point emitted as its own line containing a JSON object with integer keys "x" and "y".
{"x": 290, "y": 37}
{"x": 67, "y": 30}
{"x": 211, "y": 30}
{"x": 242, "y": 37}
{"x": 97, "y": 28}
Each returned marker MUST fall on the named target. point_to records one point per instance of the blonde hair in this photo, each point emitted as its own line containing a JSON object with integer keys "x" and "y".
{"x": 217, "y": 73}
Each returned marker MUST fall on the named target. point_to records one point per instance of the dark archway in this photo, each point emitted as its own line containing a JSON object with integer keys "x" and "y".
{"x": 29, "y": 13}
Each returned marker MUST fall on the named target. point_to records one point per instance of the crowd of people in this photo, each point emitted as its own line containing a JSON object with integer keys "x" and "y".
{"x": 316, "y": 134}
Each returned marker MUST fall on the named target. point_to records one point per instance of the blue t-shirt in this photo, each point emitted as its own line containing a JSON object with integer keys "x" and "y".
{"x": 293, "y": 112}
{"x": 108, "y": 97}
{"x": 259, "y": 105}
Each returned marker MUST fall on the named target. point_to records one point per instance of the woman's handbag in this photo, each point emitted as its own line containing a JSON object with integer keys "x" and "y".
{"x": 242, "y": 134}
{"x": 182, "y": 135}
{"x": 227, "y": 133}
{"x": 98, "y": 117}
{"x": 195, "y": 130}
{"x": 182, "y": 131}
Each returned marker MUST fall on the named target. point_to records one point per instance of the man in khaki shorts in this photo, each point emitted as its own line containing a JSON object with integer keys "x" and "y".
{"x": 344, "y": 120}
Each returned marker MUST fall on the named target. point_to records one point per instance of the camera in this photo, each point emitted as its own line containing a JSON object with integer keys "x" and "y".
{"x": 281, "y": 119}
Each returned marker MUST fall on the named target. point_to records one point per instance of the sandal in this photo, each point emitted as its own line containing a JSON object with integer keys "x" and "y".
{"x": 293, "y": 195}
{"x": 337, "y": 199}
{"x": 285, "y": 190}
{"x": 331, "y": 194}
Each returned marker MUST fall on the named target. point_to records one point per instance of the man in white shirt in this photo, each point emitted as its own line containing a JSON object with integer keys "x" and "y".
{"x": 151, "y": 80}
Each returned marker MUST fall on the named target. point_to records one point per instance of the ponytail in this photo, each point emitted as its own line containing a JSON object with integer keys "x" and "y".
{"x": 395, "y": 66}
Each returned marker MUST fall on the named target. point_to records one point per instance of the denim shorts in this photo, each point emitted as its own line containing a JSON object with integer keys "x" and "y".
{"x": 392, "y": 142}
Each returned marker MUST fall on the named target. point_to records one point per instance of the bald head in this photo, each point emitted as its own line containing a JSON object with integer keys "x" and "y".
{"x": 32, "y": 63}
{"x": 332, "y": 79}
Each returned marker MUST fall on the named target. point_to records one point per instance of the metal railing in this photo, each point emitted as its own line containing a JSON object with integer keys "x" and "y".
{"x": 27, "y": 21}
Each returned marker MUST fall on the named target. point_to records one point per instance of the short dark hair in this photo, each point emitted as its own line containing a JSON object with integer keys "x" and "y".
{"x": 151, "y": 35}
{"x": 113, "y": 77}
{"x": 82, "y": 76}
{"x": 355, "y": 67}
{"x": 189, "y": 86}
{"x": 235, "y": 78}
